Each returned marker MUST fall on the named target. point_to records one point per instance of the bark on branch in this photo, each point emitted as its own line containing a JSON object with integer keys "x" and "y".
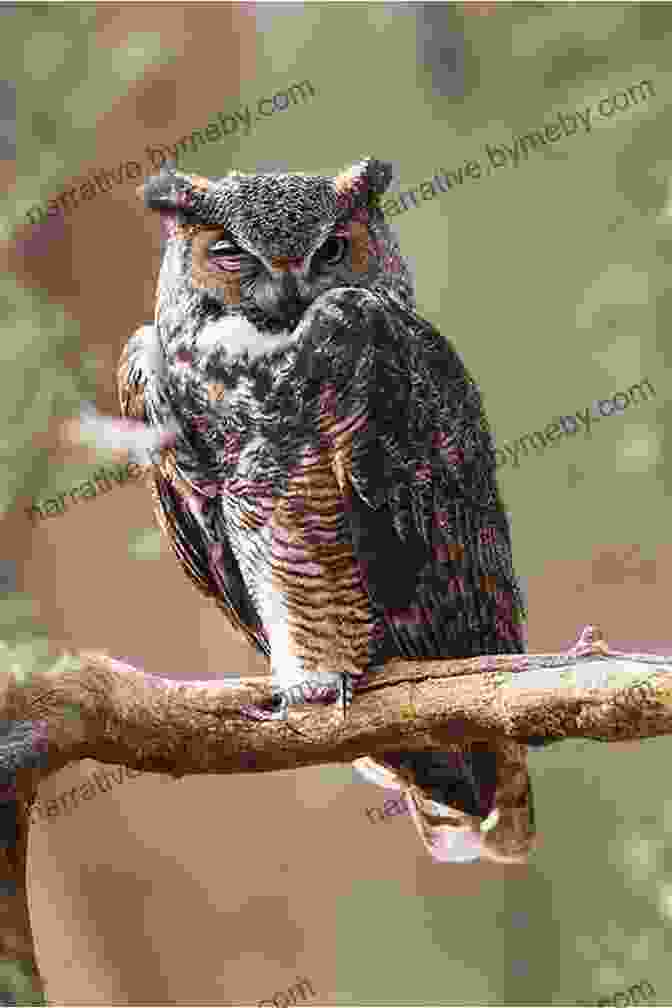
{"x": 93, "y": 706}
{"x": 99, "y": 708}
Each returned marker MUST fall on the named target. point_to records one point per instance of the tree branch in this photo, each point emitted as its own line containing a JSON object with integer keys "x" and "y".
{"x": 99, "y": 708}
{"x": 93, "y": 706}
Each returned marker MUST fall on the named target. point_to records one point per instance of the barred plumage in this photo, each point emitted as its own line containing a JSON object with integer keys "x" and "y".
{"x": 332, "y": 485}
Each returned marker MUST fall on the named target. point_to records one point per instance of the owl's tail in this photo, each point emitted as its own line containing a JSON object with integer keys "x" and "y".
{"x": 465, "y": 805}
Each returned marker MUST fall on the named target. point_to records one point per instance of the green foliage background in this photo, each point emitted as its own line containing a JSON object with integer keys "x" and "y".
{"x": 552, "y": 279}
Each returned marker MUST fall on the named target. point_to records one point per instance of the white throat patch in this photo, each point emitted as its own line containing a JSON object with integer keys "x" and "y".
{"x": 236, "y": 334}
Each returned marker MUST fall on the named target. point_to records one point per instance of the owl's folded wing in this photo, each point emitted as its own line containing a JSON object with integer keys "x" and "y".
{"x": 412, "y": 454}
{"x": 213, "y": 570}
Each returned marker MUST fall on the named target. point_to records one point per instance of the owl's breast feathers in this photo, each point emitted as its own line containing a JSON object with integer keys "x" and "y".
{"x": 353, "y": 474}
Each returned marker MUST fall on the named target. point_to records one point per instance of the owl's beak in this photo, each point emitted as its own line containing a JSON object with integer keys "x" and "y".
{"x": 284, "y": 263}
{"x": 289, "y": 305}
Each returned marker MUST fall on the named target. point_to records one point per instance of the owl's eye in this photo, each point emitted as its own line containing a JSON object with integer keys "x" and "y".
{"x": 333, "y": 251}
{"x": 224, "y": 247}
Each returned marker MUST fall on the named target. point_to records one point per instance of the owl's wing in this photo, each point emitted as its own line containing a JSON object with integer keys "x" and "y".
{"x": 138, "y": 379}
{"x": 414, "y": 460}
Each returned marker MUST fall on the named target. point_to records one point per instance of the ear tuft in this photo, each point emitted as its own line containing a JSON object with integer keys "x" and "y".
{"x": 167, "y": 191}
{"x": 362, "y": 184}
{"x": 379, "y": 175}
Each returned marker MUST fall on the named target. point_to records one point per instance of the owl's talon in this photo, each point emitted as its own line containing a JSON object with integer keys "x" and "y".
{"x": 347, "y": 692}
{"x": 280, "y": 711}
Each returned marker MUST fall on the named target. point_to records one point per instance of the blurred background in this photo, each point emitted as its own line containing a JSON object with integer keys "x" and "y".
{"x": 550, "y": 278}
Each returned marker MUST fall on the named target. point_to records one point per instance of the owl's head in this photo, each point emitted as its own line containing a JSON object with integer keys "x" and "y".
{"x": 266, "y": 246}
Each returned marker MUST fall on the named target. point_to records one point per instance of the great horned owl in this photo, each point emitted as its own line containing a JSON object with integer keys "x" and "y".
{"x": 332, "y": 482}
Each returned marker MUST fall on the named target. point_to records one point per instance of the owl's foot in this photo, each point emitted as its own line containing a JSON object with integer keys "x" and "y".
{"x": 339, "y": 689}
{"x": 277, "y": 710}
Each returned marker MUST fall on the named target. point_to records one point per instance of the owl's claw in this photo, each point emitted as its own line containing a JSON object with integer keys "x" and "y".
{"x": 343, "y": 684}
{"x": 347, "y": 692}
{"x": 280, "y": 707}
{"x": 280, "y": 711}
